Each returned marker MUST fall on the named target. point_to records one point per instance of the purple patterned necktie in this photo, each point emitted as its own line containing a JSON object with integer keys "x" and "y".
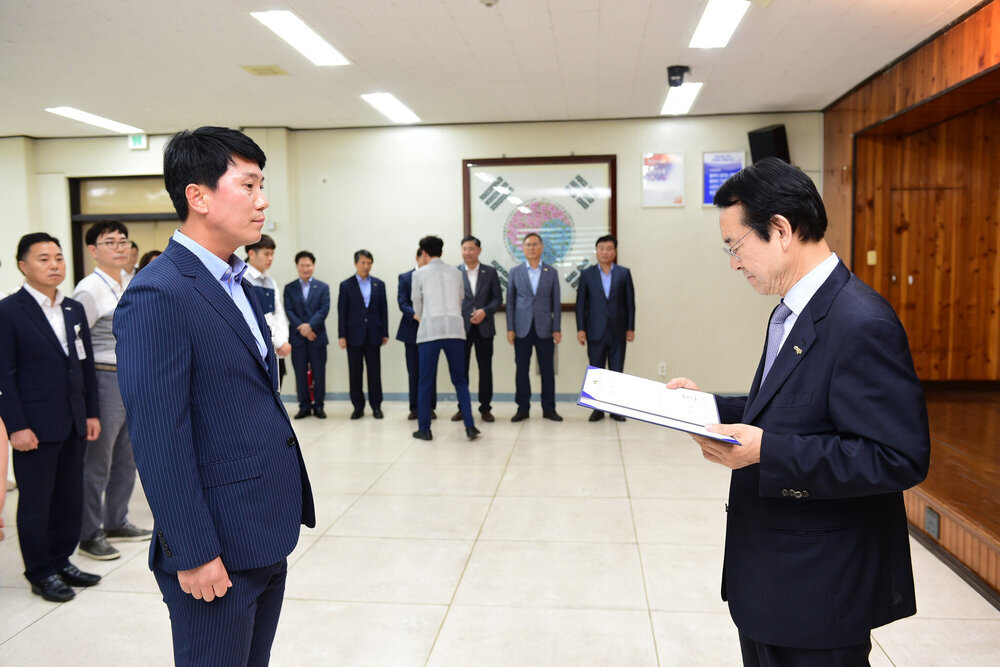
{"x": 775, "y": 330}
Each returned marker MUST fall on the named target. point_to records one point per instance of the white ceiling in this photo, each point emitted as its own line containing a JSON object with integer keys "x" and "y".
{"x": 171, "y": 65}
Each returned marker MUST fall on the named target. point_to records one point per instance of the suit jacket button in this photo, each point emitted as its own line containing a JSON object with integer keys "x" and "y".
{"x": 784, "y": 492}
{"x": 798, "y": 494}
{"x": 291, "y": 441}
{"x": 805, "y": 494}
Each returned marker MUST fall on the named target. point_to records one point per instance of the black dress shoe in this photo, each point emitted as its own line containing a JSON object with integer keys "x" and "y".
{"x": 72, "y": 575}
{"x": 553, "y": 415}
{"x": 519, "y": 416}
{"x": 434, "y": 415}
{"x": 377, "y": 413}
{"x": 413, "y": 415}
{"x": 472, "y": 432}
{"x": 303, "y": 413}
{"x": 357, "y": 414}
{"x": 596, "y": 416}
{"x": 53, "y": 589}
{"x": 319, "y": 413}
{"x": 457, "y": 417}
{"x": 423, "y": 435}
{"x": 618, "y": 418}
{"x": 487, "y": 416}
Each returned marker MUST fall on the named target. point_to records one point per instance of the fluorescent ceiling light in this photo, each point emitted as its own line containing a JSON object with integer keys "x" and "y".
{"x": 301, "y": 37}
{"x": 718, "y": 23}
{"x": 391, "y": 108}
{"x": 679, "y": 99}
{"x": 97, "y": 121}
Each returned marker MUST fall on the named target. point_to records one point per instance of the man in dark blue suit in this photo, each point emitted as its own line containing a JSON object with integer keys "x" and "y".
{"x": 605, "y": 311}
{"x": 407, "y": 334}
{"x": 483, "y": 298}
{"x": 363, "y": 328}
{"x": 533, "y": 312}
{"x": 215, "y": 449}
{"x": 833, "y": 430}
{"x": 49, "y": 403}
{"x": 307, "y": 304}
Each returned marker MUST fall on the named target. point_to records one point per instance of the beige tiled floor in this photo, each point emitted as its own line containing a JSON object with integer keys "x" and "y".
{"x": 540, "y": 544}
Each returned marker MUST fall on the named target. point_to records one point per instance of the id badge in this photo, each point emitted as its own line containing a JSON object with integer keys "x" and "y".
{"x": 81, "y": 353}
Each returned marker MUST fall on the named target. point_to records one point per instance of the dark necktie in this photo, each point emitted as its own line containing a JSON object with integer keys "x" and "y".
{"x": 775, "y": 331}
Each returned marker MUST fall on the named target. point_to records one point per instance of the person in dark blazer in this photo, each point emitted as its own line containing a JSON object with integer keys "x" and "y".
{"x": 407, "y": 335}
{"x": 834, "y": 428}
{"x": 605, "y": 311}
{"x": 483, "y": 298}
{"x": 216, "y": 453}
{"x": 533, "y": 312}
{"x": 49, "y": 403}
{"x": 307, "y": 304}
{"x": 363, "y": 328}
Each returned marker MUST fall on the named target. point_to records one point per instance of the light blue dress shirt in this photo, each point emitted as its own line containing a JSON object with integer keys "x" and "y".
{"x": 366, "y": 288}
{"x": 606, "y": 280}
{"x": 305, "y": 285}
{"x": 230, "y": 276}
{"x": 534, "y": 275}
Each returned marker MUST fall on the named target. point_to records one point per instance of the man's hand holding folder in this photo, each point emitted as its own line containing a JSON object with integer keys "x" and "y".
{"x": 723, "y": 453}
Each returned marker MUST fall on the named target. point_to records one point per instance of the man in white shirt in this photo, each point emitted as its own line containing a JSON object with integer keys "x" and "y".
{"x": 48, "y": 402}
{"x": 108, "y": 469}
{"x": 437, "y": 304}
{"x": 260, "y": 256}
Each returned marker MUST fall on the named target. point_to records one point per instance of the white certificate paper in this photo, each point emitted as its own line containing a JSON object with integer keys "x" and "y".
{"x": 650, "y": 401}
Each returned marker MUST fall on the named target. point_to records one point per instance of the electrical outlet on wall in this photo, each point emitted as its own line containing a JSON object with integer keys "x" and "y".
{"x": 662, "y": 368}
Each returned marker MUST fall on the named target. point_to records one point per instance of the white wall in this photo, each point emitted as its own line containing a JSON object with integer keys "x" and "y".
{"x": 382, "y": 189}
{"x": 335, "y": 191}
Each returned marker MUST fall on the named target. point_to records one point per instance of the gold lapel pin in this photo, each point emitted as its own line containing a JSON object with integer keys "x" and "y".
{"x": 798, "y": 350}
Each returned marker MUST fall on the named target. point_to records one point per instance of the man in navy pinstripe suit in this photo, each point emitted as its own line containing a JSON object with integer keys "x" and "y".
{"x": 213, "y": 444}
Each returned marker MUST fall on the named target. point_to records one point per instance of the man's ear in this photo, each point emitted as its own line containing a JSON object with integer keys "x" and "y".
{"x": 92, "y": 249}
{"x": 783, "y": 228}
{"x": 196, "y": 198}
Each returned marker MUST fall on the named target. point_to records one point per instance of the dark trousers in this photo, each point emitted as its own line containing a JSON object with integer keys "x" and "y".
{"x": 236, "y": 629}
{"x": 429, "y": 353}
{"x": 545, "y": 349}
{"x": 484, "y": 360}
{"x": 756, "y": 654}
{"x": 607, "y": 352}
{"x": 282, "y": 371}
{"x": 370, "y": 355}
{"x": 49, "y": 504}
{"x": 413, "y": 371}
{"x": 310, "y": 355}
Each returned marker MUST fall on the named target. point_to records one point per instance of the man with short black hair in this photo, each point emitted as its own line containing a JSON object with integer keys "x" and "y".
{"x": 407, "y": 335}
{"x": 533, "y": 313}
{"x": 48, "y": 401}
{"x": 109, "y": 467}
{"x": 219, "y": 461}
{"x": 307, "y": 303}
{"x": 482, "y": 299}
{"x": 260, "y": 255}
{"x": 834, "y": 428}
{"x": 437, "y": 305}
{"x": 605, "y": 311}
{"x": 363, "y": 328}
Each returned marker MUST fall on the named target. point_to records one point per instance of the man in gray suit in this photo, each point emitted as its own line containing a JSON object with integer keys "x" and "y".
{"x": 483, "y": 297}
{"x": 533, "y": 322}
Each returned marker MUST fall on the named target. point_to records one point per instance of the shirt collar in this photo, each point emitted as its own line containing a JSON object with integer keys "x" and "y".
{"x": 42, "y": 299}
{"x": 218, "y": 268}
{"x": 613, "y": 265}
{"x": 473, "y": 269}
{"x": 528, "y": 264}
{"x": 801, "y": 292}
{"x": 111, "y": 281}
{"x": 254, "y": 273}
{"x": 364, "y": 280}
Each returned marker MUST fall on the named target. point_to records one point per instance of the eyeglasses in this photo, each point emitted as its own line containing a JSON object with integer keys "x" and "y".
{"x": 731, "y": 250}
{"x": 115, "y": 244}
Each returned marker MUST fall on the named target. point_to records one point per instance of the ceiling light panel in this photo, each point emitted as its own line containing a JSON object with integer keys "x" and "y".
{"x": 96, "y": 121}
{"x": 391, "y": 108}
{"x": 680, "y": 99}
{"x": 718, "y": 23}
{"x": 301, "y": 37}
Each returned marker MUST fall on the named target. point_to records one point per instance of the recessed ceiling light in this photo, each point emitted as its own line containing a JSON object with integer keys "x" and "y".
{"x": 718, "y": 23}
{"x": 679, "y": 99}
{"x": 96, "y": 121}
{"x": 391, "y": 108}
{"x": 301, "y": 37}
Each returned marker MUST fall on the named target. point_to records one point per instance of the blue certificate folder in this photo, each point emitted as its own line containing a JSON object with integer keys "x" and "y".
{"x": 650, "y": 401}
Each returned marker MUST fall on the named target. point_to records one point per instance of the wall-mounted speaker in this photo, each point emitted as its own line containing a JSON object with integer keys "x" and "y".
{"x": 770, "y": 141}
